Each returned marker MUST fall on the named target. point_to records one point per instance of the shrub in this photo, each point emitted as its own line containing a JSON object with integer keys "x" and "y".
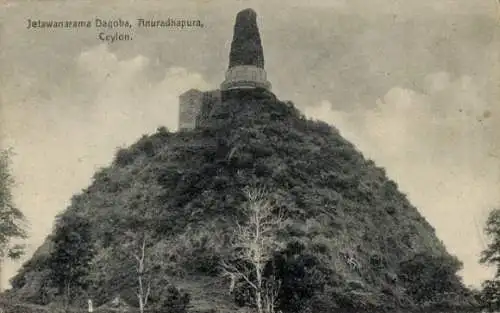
{"x": 425, "y": 276}
{"x": 172, "y": 300}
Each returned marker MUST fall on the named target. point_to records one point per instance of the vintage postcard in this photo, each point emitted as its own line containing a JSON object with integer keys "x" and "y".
{"x": 249, "y": 156}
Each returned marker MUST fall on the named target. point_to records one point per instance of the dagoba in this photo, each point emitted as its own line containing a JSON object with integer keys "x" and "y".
{"x": 246, "y": 59}
{"x": 245, "y": 72}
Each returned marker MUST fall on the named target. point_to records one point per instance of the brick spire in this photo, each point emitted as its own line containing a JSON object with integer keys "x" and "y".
{"x": 246, "y": 47}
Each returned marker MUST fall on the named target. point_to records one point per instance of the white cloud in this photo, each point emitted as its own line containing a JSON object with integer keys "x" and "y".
{"x": 438, "y": 146}
{"x": 70, "y": 139}
{"x": 126, "y": 95}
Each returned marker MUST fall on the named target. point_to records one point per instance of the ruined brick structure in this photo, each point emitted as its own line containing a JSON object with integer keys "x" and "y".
{"x": 190, "y": 104}
{"x": 245, "y": 72}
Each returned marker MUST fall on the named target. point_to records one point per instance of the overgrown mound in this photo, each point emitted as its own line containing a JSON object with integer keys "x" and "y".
{"x": 353, "y": 241}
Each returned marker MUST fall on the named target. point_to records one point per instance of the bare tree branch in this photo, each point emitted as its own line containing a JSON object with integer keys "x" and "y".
{"x": 148, "y": 291}
{"x": 232, "y": 270}
{"x": 254, "y": 243}
{"x": 143, "y": 293}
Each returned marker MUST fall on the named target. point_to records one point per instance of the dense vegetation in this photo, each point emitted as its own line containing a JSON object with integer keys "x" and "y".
{"x": 12, "y": 220}
{"x": 352, "y": 240}
{"x": 489, "y": 296}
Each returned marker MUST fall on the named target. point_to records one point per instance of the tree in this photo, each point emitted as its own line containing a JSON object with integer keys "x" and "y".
{"x": 173, "y": 300}
{"x": 11, "y": 218}
{"x": 491, "y": 255}
{"x": 139, "y": 271}
{"x": 490, "y": 294}
{"x": 253, "y": 247}
{"x": 136, "y": 247}
{"x": 303, "y": 279}
{"x": 72, "y": 255}
{"x": 427, "y": 278}
{"x": 489, "y": 297}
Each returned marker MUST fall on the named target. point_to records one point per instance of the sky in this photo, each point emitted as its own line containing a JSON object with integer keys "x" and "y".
{"x": 413, "y": 85}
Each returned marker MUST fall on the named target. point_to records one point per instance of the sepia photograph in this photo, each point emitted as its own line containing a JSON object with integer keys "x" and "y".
{"x": 249, "y": 156}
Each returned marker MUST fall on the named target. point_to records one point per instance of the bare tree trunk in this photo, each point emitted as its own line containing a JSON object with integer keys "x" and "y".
{"x": 141, "y": 303}
{"x": 258, "y": 242}
{"x": 258, "y": 301}
{"x": 1, "y": 275}
{"x": 68, "y": 295}
{"x": 271, "y": 294}
{"x": 142, "y": 294}
{"x": 258, "y": 292}
{"x": 140, "y": 271}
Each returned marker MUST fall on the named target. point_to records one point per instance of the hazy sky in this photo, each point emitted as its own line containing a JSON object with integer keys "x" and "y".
{"x": 415, "y": 86}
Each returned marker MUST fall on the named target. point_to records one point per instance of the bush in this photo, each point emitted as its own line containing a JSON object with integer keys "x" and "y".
{"x": 426, "y": 277}
{"x": 489, "y": 297}
{"x": 172, "y": 300}
{"x": 301, "y": 276}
